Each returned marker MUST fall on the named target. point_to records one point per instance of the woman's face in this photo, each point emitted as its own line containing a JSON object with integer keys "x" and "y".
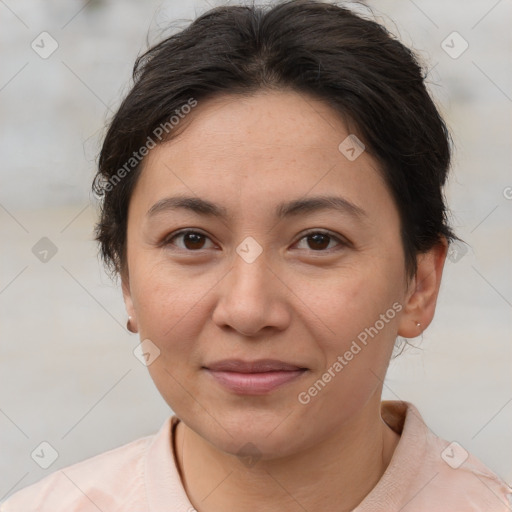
{"x": 271, "y": 271}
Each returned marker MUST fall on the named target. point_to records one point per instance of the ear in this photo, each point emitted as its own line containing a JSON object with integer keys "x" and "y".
{"x": 423, "y": 290}
{"x": 127, "y": 296}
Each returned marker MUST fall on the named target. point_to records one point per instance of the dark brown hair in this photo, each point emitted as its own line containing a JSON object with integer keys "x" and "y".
{"x": 351, "y": 63}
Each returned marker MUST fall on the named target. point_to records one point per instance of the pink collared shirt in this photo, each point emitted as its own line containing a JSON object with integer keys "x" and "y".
{"x": 426, "y": 474}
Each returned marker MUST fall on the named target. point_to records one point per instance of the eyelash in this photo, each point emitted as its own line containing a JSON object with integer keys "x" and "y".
{"x": 341, "y": 242}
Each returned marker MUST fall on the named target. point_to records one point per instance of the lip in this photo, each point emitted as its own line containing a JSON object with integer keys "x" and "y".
{"x": 253, "y": 377}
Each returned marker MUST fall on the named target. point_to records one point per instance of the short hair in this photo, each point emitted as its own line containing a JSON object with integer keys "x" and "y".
{"x": 329, "y": 52}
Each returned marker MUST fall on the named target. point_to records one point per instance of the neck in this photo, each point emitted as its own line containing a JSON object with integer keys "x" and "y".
{"x": 341, "y": 469}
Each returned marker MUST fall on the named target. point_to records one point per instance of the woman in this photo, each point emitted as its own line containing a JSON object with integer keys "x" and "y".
{"x": 272, "y": 201}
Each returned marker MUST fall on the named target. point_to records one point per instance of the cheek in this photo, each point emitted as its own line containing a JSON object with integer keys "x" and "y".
{"x": 362, "y": 315}
{"x": 357, "y": 323}
{"x": 168, "y": 304}
{"x": 169, "y": 310}
{"x": 348, "y": 302}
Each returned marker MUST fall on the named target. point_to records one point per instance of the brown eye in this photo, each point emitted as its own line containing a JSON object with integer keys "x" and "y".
{"x": 191, "y": 240}
{"x": 319, "y": 241}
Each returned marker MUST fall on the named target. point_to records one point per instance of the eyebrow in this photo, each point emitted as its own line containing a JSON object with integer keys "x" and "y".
{"x": 283, "y": 210}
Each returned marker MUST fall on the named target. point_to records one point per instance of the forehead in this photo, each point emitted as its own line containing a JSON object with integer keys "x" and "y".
{"x": 286, "y": 122}
{"x": 263, "y": 148}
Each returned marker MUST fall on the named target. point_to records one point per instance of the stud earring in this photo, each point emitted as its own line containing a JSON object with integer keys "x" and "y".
{"x": 129, "y": 325}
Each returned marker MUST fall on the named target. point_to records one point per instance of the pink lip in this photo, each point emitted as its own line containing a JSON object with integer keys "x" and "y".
{"x": 253, "y": 377}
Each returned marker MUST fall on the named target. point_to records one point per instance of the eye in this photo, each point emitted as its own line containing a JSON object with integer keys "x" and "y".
{"x": 191, "y": 240}
{"x": 321, "y": 240}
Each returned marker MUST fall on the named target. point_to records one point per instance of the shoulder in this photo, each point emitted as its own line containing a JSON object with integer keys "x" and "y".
{"x": 460, "y": 478}
{"x": 102, "y": 482}
{"x": 443, "y": 475}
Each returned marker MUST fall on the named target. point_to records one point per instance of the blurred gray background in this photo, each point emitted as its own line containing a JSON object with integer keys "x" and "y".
{"x": 68, "y": 376}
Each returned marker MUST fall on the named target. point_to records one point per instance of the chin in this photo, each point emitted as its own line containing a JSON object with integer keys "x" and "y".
{"x": 256, "y": 445}
{"x": 265, "y": 433}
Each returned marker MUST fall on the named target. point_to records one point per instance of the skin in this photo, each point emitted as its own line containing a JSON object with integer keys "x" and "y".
{"x": 199, "y": 301}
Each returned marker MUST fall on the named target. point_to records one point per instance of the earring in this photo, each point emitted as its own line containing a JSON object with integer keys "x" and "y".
{"x": 129, "y": 325}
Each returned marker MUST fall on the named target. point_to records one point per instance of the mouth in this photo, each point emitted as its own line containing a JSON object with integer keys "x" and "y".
{"x": 253, "y": 377}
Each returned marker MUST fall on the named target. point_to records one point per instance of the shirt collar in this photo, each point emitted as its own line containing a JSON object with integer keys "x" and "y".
{"x": 164, "y": 487}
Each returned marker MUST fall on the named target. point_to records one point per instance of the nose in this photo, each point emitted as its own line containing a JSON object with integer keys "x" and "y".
{"x": 252, "y": 299}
